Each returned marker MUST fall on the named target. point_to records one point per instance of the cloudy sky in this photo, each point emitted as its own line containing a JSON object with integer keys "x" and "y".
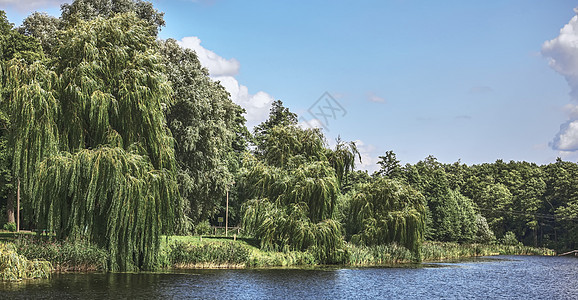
{"x": 476, "y": 81}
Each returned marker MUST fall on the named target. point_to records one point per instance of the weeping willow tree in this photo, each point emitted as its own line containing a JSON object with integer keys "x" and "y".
{"x": 291, "y": 191}
{"x": 91, "y": 142}
{"x": 342, "y": 159}
{"x": 386, "y": 211}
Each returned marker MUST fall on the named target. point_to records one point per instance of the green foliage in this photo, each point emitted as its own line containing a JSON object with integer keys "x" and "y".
{"x": 389, "y": 166}
{"x": 91, "y": 145}
{"x": 290, "y": 188}
{"x": 509, "y": 239}
{"x": 68, "y": 255}
{"x": 386, "y": 211}
{"x": 86, "y": 10}
{"x": 279, "y": 115}
{"x": 451, "y": 215}
{"x": 44, "y": 28}
{"x": 13, "y": 44}
{"x": 436, "y": 251}
{"x": 203, "y": 228}
{"x": 342, "y": 159}
{"x": 10, "y": 226}
{"x": 205, "y": 123}
{"x": 14, "y": 266}
{"x": 208, "y": 254}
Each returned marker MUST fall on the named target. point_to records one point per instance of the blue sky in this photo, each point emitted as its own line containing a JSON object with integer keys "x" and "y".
{"x": 455, "y": 79}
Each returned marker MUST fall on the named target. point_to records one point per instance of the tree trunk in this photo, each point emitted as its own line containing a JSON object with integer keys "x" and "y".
{"x": 18, "y": 207}
{"x": 10, "y": 208}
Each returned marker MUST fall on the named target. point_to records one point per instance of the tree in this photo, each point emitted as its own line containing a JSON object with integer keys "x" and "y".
{"x": 389, "y": 166}
{"x": 290, "y": 188}
{"x": 386, "y": 211}
{"x": 208, "y": 129}
{"x": 87, "y": 10}
{"x": 279, "y": 115}
{"x": 451, "y": 215}
{"x": 94, "y": 152}
{"x": 44, "y": 28}
{"x": 23, "y": 50}
{"x": 15, "y": 45}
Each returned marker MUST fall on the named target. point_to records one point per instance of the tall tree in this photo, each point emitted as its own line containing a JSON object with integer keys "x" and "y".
{"x": 15, "y": 49}
{"x": 97, "y": 126}
{"x": 386, "y": 211}
{"x": 208, "y": 129}
{"x": 389, "y": 166}
{"x": 279, "y": 115}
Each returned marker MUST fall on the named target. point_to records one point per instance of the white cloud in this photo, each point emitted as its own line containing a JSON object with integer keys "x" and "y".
{"x": 567, "y": 138}
{"x": 217, "y": 65}
{"x": 369, "y": 158}
{"x": 562, "y": 54}
{"x": 221, "y": 69}
{"x": 374, "y": 98}
{"x": 257, "y": 105}
{"x": 31, "y": 5}
{"x": 309, "y": 124}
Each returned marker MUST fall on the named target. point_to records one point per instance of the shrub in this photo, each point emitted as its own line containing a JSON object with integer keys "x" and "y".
{"x": 14, "y": 266}
{"x": 203, "y": 228}
{"x": 10, "y": 227}
{"x": 510, "y": 239}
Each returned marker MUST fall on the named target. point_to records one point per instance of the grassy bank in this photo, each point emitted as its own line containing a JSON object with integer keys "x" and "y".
{"x": 192, "y": 252}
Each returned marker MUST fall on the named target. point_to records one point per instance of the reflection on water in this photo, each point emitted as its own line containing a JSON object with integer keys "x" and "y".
{"x": 506, "y": 277}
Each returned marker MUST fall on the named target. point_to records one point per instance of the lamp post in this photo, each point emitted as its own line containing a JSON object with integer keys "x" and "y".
{"x": 227, "y": 210}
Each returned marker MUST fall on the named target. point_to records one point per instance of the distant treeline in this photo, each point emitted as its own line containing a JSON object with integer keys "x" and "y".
{"x": 537, "y": 205}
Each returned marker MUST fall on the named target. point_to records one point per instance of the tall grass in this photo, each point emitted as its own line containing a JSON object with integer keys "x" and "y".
{"x": 432, "y": 251}
{"x": 191, "y": 252}
{"x": 79, "y": 255}
{"x": 208, "y": 255}
{"x": 378, "y": 255}
{"x": 14, "y": 266}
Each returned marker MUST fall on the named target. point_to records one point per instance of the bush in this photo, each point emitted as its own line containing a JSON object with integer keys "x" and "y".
{"x": 203, "y": 228}
{"x": 14, "y": 266}
{"x": 10, "y": 227}
{"x": 510, "y": 239}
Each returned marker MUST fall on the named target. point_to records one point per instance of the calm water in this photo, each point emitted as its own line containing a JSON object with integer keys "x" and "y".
{"x": 505, "y": 277}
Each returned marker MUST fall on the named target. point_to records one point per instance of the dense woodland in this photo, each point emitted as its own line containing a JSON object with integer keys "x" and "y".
{"x": 112, "y": 135}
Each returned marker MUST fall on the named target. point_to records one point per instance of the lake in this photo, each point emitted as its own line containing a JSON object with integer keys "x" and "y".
{"x": 523, "y": 277}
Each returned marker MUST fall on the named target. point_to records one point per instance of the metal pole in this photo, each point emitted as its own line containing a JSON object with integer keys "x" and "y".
{"x": 227, "y": 214}
{"x": 18, "y": 207}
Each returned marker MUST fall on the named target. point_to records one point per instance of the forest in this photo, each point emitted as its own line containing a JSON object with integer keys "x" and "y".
{"x": 115, "y": 137}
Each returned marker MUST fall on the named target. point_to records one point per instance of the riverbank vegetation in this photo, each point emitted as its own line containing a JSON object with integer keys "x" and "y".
{"x": 112, "y": 138}
{"x": 15, "y": 266}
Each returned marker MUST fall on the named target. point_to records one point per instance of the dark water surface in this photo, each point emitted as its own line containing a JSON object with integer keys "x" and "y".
{"x": 504, "y": 277}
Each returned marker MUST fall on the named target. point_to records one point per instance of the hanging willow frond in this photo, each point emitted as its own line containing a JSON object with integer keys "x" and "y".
{"x": 387, "y": 211}
{"x": 111, "y": 196}
{"x": 91, "y": 142}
